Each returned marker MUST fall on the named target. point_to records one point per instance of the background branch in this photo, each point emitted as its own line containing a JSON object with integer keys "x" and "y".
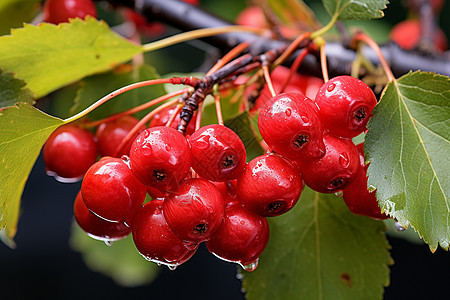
{"x": 185, "y": 17}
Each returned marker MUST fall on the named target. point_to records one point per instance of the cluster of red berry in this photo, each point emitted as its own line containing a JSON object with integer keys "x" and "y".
{"x": 317, "y": 137}
{"x": 202, "y": 188}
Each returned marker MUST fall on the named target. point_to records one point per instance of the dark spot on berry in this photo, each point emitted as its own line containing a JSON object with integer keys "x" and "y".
{"x": 275, "y": 207}
{"x": 336, "y": 183}
{"x": 300, "y": 140}
{"x": 228, "y": 162}
{"x": 346, "y": 279}
{"x": 159, "y": 175}
{"x": 360, "y": 114}
{"x": 201, "y": 228}
{"x": 97, "y": 56}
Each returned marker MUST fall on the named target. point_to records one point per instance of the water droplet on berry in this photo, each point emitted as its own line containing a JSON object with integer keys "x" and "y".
{"x": 190, "y": 245}
{"x": 239, "y": 276}
{"x": 167, "y": 147}
{"x": 343, "y": 160}
{"x": 108, "y": 243}
{"x": 251, "y": 266}
{"x": 172, "y": 267}
{"x": 288, "y": 112}
{"x": 304, "y": 119}
{"x": 173, "y": 160}
{"x": 146, "y": 133}
{"x": 202, "y": 143}
{"x": 126, "y": 160}
{"x": 339, "y": 193}
{"x": 399, "y": 227}
{"x": 146, "y": 149}
{"x": 331, "y": 87}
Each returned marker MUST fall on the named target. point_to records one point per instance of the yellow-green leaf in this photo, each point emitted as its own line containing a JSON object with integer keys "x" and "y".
{"x": 48, "y": 57}
{"x": 23, "y": 131}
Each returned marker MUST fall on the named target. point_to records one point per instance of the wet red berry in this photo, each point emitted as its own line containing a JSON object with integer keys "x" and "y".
{"x": 241, "y": 238}
{"x": 335, "y": 170}
{"x": 160, "y": 157}
{"x": 111, "y": 191}
{"x": 194, "y": 210}
{"x": 218, "y": 154}
{"x": 96, "y": 227}
{"x": 345, "y": 105}
{"x": 58, "y": 11}
{"x": 289, "y": 123}
{"x": 155, "y": 240}
{"x": 357, "y": 196}
{"x": 270, "y": 185}
{"x": 69, "y": 152}
{"x": 110, "y": 135}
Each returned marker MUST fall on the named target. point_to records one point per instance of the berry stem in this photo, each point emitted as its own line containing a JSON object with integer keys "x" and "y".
{"x": 196, "y": 34}
{"x": 192, "y": 81}
{"x": 269, "y": 80}
{"x": 174, "y": 115}
{"x": 292, "y": 47}
{"x": 218, "y": 108}
{"x": 372, "y": 44}
{"x": 295, "y": 65}
{"x": 144, "y": 120}
{"x": 136, "y": 109}
{"x": 323, "y": 62}
{"x": 228, "y": 57}
{"x": 198, "y": 120}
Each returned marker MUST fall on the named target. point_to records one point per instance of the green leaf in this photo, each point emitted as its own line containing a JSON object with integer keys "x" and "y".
{"x": 121, "y": 261}
{"x": 355, "y": 9}
{"x": 12, "y": 90}
{"x": 242, "y": 125}
{"x": 408, "y": 147}
{"x": 294, "y": 12}
{"x": 23, "y": 131}
{"x": 97, "y": 86}
{"x": 320, "y": 250}
{"x": 48, "y": 57}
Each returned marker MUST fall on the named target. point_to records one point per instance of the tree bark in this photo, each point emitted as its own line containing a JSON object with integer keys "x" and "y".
{"x": 185, "y": 17}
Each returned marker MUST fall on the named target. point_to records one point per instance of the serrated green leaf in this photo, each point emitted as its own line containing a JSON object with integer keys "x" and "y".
{"x": 320, "y": 250}
{"x": 97, "y": 86}
{"x": 355, "y": 9}
{"x": 294, "y": 12}
{"x": 408, "y": 146}
{"x": 242, "y": 125}
{"x": 121, "y": 261}
{"x": 48, "y": 57}
{"x": 12, "y": 90}
{"x": 23, "y": 131}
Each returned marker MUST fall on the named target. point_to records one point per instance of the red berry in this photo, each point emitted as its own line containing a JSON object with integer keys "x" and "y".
{"x": 252, "y": 16}
{"x": 290, "y": 125}
{"x": 408, "y": 33}
{"x": 111, "y": 191}
{"x": 345, "y": 105}
{"x": 155, "y": 240}
{"x": 96, "y": 227}
{"x": 160, "y": 157}
{"x": 162, "y": 117}
{"x": 357, "y": 196}
{"x": 69, "y": 152}
{"x": 194, "y": 210}
{"x": 218, "y": 154}
{"x": 335, "y": 170}
{"x": 270, "y": 185}
{"x": 241, "y": 238}
{"x": 58, "y": 11}
{"x": 110, "y": 135}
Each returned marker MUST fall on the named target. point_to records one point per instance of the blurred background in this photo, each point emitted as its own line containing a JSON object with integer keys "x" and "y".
{"x": 47, "y": 265}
